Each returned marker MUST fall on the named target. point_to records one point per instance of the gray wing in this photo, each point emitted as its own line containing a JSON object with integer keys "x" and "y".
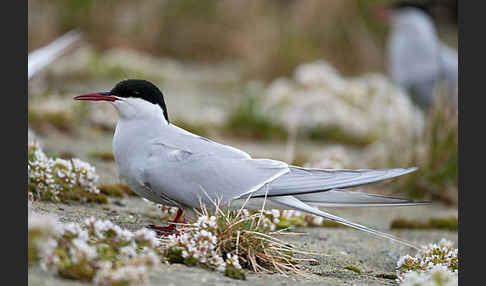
{"x": 200, "y": 145}
{"x": 342, "y": 198}
{"x": 186, "y": 176}
{"x": 304, "y": 180}
{"x": 40, "y": 58}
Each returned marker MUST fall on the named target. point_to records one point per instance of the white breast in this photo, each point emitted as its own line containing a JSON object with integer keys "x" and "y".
{"x": 130, "y": 152}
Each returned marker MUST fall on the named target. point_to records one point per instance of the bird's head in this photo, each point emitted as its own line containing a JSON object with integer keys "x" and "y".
{"x": 383, "y": 12}
{"x": 425, "y": 6}
{"x": 133, "y": 98}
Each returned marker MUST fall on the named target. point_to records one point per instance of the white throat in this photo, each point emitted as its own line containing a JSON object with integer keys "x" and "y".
{"x": 138, "y": 109}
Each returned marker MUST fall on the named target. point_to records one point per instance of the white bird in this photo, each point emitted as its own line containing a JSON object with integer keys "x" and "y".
{"x": 42, "y": 57}
{"x": 171, "y": 166}
{"x": 417, "y": 59}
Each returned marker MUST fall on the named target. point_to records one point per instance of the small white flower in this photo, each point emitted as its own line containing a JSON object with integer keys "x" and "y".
{"x": 233, "y": 260}
{"x": 317, "y": 220}
{"x": 148, "y": 236}
{"x": 128, "y": 251}
{"x": 275, "y": 213}
{"x": 432, "y": 256}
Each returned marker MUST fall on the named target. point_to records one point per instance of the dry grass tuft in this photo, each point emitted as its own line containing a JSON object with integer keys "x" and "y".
{"x": 247, "y": 237}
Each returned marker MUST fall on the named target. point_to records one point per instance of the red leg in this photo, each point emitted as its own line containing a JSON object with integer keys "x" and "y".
{"x": 171, "y": 228}
{"x": 178, "y": 216}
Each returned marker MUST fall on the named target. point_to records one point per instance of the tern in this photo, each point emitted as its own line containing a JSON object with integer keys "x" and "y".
{"x": 171, "y": 166}
{"x": 417, "y": 59}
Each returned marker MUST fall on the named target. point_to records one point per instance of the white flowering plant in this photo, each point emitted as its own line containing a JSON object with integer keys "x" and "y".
{"x": 362, "y": 109}
{"x": 437, "y": 260}
{"x": 58, "y": 179}
{"x": 100, "y": 251}
{"x": 272, "y": 219}
{"x": 41, "y": 228}
{"x": 230, "y": 241}
{"x": 438, "y": 275}
{"x": 198, "y": 245}
{"x": 95, "y": 250}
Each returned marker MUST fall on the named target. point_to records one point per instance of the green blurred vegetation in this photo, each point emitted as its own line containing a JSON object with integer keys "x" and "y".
{"x": 437, "y": 177}
{"x": 448, "y": 223}
{"x": 248, "y": 120}
{"x": 270, "y": 38}
{"x": 336, "y": 134}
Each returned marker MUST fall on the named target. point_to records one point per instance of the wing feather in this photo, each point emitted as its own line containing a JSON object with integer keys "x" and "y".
{"x": 342, "y": 198}
{"x": 186, "y": 176}
{"x": 303, "y": 181}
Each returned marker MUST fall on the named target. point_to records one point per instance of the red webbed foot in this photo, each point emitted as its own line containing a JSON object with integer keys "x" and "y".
{"x": 164, "y": 230}
{"x": 170, "y": 229}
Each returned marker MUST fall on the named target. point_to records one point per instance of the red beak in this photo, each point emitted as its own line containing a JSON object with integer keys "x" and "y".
{"x": 96, "y": 96}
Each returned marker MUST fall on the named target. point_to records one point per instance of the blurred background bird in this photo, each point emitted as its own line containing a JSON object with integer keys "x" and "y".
{"x": 417, "y": 59}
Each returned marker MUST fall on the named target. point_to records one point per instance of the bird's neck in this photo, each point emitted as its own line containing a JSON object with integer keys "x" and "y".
{"x": 147, "y": 127}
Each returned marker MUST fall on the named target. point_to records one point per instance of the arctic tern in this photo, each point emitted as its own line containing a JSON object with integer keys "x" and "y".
{"x": 171, "y": 166}
{"x": 417, "y": 58}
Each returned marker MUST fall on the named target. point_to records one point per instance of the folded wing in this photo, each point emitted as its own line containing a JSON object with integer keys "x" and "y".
{"x": 186, "y": 175}
{"x": 303, "y": 181}
{"x": 342, "y": 198}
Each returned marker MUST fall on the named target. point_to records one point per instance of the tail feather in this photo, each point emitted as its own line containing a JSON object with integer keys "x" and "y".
{"x": 304, "y": 181}
{"x": 296, "y": 204}
{"x": 342, "y": 198}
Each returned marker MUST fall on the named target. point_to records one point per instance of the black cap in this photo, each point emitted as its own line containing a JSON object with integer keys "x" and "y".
{"x": 421, "y": 5}
{"x": 143, "y": 89}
